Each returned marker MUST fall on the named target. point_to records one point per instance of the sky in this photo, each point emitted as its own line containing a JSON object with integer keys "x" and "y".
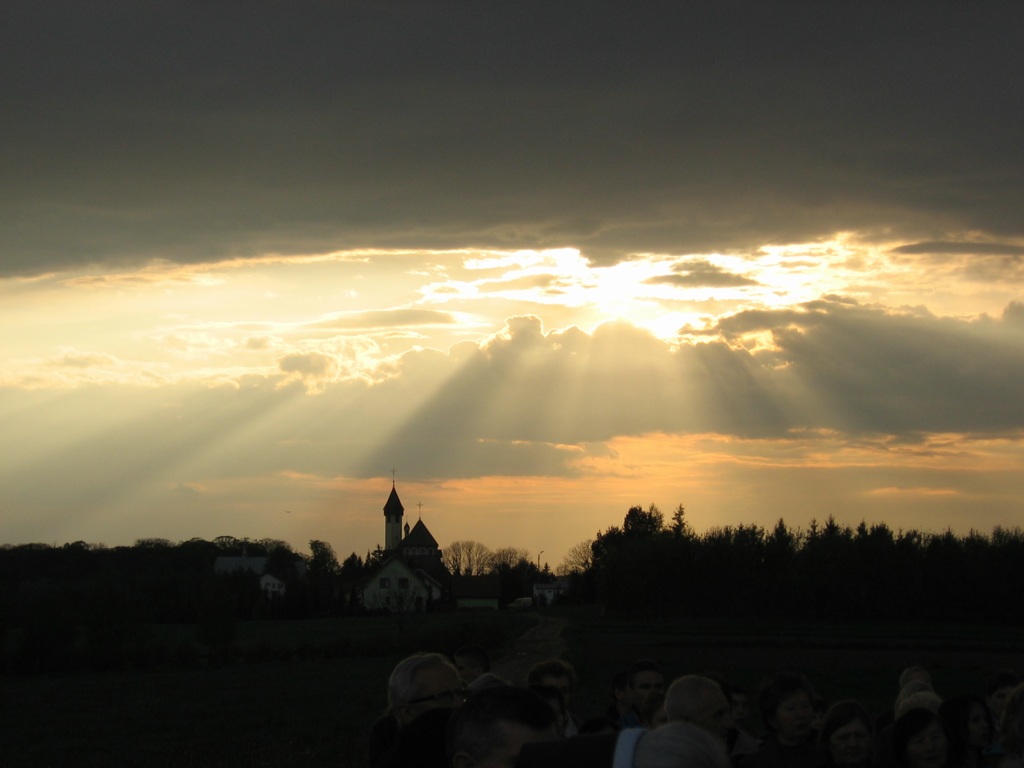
{"x": 535, "y": 263}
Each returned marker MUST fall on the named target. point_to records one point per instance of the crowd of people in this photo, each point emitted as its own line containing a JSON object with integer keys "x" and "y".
{"x": 453, "y": 712}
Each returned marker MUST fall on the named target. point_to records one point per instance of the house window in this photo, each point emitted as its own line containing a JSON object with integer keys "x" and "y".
{"x": 403, "y": 583}
{"x": 385, "y": 582}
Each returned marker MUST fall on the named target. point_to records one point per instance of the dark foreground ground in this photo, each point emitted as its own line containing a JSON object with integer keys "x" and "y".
{"x": 315, "y": 711}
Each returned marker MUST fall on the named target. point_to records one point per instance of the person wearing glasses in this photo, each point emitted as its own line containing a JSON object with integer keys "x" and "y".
{"x": 418, "y": 684}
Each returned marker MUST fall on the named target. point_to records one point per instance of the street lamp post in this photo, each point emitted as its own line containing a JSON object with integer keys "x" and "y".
{"x": 536, "y": 594}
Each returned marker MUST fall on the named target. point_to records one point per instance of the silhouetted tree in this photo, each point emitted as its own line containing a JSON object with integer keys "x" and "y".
{"x": 641, "y": 566}
{"x": 578, "y": 559}
{"x": 680, "y": 528}
{"x": 375, "y": 557}
{"x": 323, "y": 575}
{"x": 351, "y": 575}
{"x": 508, "y": 557}
{"x": 643, "y": 523}
{"x": 516, "y": 573}
{"x": 281, "y": 562}
{"x": 467, "y": 558}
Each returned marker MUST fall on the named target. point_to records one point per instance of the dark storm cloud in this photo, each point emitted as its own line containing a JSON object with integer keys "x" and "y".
{"x": 257, "y": 343}
{"x": 387, "y": 318}
{"x": 698, "y": 273}
{"x": 526, "y": 283}
{"x": 960, "y": 248}
{"x": 201, "y": 131}
{"x": 311, "y": 367}
{"x": 981, "y": 262}
{"x": 836, "y": 366}
{"x": 83, "y": 360}
{"x": 868, "y": 370}
{"x": 1014, "y": 313}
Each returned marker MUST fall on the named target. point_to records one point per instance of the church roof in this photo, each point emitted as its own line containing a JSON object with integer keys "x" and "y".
{"x": 394, "y": 504}
{"x": 418, "y": 537}
{"x": 421, "y": 567}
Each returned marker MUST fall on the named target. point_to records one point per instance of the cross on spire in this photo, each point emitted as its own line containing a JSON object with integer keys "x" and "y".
{"x": 419, "y": 504}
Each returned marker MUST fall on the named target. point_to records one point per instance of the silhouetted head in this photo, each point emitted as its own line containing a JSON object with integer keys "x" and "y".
{"x": 645, "y": 678}
{"x": 786, "y": 705}
{"x": 1012, "y": 722}
{"x": 680, "y": 744}
{"x": 471, "y": 661}
{"x": 701, "y": 701}
{"x": 847, "y": 733}
{"x": 969, "y": 726}
{"x": 422, "y": 682}
{"x": 919, "y": 740}
{"x": 493, "y": 725}
{"x": 997, "y": 689}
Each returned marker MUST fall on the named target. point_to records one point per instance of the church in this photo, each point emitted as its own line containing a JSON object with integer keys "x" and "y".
{"x": 410, "y": 576}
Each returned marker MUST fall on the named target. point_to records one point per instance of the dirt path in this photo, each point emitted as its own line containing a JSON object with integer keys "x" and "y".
{"x": 540, "y": 642}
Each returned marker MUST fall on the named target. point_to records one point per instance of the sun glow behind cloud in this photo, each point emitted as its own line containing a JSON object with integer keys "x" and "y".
{"x": 534, "y": 362}
{"x": 655, "y": 291}
{"x": 344, "y": 314}
{"x": 168, "y": 320}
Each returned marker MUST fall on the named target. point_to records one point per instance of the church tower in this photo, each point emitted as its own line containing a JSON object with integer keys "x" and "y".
{"x": 393, "y": 520}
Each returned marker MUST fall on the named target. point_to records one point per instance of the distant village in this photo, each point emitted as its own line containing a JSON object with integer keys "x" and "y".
{"x": 60, "y": 605}
{"x": 67, "y": 606}
{"x": 410, "y": 574}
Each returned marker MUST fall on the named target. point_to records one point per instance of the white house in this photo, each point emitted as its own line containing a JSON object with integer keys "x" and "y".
{"x": 272, "y": 586}
{"x": 396, "y": 586}
{"x": 546, "y": 594}
{"x": 472, "y": 593}
{"x": 269, "y": 584}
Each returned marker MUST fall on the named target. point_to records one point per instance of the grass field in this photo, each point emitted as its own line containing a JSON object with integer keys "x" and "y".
{"x": 305, "y": 707}
{"x": 285, "y": 694}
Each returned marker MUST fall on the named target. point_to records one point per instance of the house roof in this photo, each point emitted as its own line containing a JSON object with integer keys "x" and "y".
{"x": 488, "y": 585}
{"x": 390, "y": 564}
{"x": 418, "y": 537}
{"x": 558, "y": 584}
{"x": 398, "y": 563}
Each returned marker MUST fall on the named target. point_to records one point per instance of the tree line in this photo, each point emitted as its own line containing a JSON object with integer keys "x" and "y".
{"x": 826, "y": 572}
{"x": 87, "y": 601}
{"x": 157, "y": 581}
{"x": 100, "y": 598}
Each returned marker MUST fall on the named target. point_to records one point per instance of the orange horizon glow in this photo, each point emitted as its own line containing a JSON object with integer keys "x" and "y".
{"x": 278, "y": 382}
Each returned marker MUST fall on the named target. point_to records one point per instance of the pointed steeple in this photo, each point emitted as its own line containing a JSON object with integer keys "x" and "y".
{"x": 393, "y": 511}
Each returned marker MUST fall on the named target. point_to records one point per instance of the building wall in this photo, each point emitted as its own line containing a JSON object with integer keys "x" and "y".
{"x": 395, "y": 587}
{"x": 392, "y": 531}
{"x": 272, "y": 585}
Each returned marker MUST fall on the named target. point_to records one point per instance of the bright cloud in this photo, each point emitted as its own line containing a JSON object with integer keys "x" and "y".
{"x": 661, "y": 258}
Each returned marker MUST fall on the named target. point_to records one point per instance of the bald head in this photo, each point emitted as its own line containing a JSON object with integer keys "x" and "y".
{"x": 700, "y": 701}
